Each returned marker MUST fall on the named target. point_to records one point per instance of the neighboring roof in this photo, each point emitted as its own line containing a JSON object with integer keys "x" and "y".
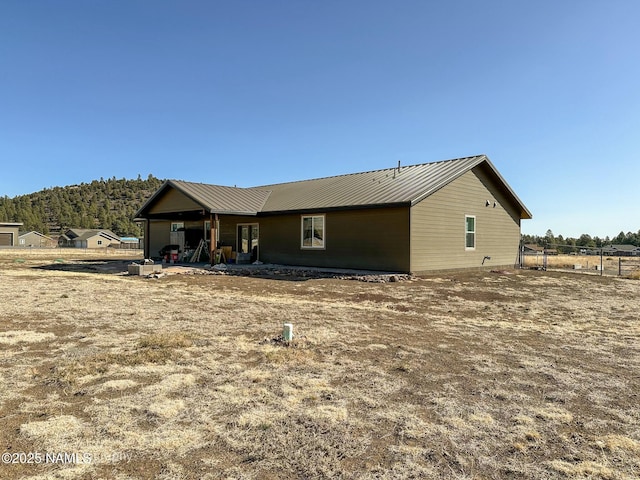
{"x": 84, "y": 234}
{"x": 10, "y": 224}
{"x": 623, "y": 248}
{"x": 33, "y": 232}
{"x": 406, "y": 185}
{"x": 534, "y": 247}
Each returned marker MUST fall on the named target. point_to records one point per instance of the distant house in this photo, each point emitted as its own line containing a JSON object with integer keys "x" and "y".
{"x": 9, "y": 234}
{"x": 35, "y": 239}
{"x": 93, "y": 238}
{"x": 622, "y": 250}
{"x": 447, "y": 215}
{"x": 532, "y": 249}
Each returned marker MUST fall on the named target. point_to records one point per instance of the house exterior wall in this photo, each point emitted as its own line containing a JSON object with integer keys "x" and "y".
{"x": 173, "y": 201}
{"x": 35, "y": 240}
{"x": 370, "y": 239}
{"x": 158, "y": 236}
{"x": 229, "y": 226}
{"x": 438, "y": 226}
{"x": 98, "y": 241}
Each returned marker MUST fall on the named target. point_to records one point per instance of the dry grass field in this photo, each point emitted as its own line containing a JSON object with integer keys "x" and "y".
{"x": 527, "y": 375}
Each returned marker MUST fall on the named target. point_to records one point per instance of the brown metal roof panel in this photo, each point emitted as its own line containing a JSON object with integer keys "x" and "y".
{"x": 374, "y": 187}
{"x": 221, "y": 199}
{"x": 407, "y": 185}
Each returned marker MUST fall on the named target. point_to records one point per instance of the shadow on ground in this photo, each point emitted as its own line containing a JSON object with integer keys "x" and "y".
{"x": 87, "y": 266}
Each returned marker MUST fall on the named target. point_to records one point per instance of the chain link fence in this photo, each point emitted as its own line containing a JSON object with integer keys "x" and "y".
{"x": 594, "y": 261}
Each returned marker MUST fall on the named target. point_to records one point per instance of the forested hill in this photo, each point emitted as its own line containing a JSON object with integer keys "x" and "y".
{"x": 109, "y": 204}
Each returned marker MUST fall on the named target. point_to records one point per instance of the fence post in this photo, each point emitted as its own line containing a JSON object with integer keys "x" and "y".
{"x": 619, "y": 266}
{"x": 601, "y": 262}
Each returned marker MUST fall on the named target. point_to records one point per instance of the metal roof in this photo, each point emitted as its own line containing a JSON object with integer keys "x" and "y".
{"x": 406, "y": 185}
{"x": 219, "y": 199}
{"x": 33, "y": 232}
{"x": 86, "y": 233}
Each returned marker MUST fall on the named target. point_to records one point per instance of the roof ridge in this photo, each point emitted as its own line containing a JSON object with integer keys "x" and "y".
{"x": 215, "y": 185}
{"x": 389, "y": 169}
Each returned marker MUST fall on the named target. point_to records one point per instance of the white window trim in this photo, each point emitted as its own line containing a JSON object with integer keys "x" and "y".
{"x": 466, "y": 232}
{"x": 324, "y": 232}
{"x": 178, "y": 225}
{"x": 207, "y": 230}
{"x": 244, "y": 224}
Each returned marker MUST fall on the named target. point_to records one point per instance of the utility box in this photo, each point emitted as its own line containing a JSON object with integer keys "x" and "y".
{"x": 146, "y": 269}
{"x": 287, "y": 332}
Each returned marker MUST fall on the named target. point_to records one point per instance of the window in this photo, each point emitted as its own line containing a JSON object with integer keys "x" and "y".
{"x": 177, "y": 226}
{"x": 99, "y": 242}
{"x": 312, "y": 231}
{"x": 248, "y": 239}
{"x": 470, "y": 232}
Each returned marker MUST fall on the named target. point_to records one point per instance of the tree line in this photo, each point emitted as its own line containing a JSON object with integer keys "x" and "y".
{"x": 569, "y": 244}
{"x": 107, "y": 204}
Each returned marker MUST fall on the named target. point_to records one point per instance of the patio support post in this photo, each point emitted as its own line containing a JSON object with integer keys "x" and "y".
{"x": 213, "y": 223}
{"x": 147, "y": 238}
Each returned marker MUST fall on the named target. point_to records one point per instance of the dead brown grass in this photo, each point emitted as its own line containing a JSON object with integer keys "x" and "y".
{"x": 474, "y": 375}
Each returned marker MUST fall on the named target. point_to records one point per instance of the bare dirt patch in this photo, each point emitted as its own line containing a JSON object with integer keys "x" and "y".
{"x": 477, "y": 375}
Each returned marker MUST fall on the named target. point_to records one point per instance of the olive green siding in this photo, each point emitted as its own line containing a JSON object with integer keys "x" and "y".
{"x": 229, "y": 226}
{"x": 438, "y": 226}
{"x": 158, "y": 236}
{"x": 173, "y": 201}
{"x": 371, "y": 239}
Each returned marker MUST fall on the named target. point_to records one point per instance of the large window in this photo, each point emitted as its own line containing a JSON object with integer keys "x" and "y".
{"x": 313, "y": 233}
{"x": 470, "y": 232}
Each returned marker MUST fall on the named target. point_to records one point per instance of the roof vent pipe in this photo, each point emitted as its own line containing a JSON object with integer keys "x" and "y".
{"x": 398, "y": 166}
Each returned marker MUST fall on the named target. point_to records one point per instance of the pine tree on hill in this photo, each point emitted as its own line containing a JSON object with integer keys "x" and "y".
{"x": 108, "y": 204}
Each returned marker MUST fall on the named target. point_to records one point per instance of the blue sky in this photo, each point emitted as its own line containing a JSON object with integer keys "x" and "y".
{"x": 254, "y": 92}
